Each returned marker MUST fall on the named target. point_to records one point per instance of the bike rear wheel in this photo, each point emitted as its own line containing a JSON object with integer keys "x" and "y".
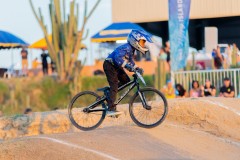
{"x": 79, "y": 117}
{"x": 153, "y": 115}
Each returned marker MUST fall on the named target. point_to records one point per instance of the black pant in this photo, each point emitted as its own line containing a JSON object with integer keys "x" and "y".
{"x": 45, "y": 68}
{"x": 116, "y": 77}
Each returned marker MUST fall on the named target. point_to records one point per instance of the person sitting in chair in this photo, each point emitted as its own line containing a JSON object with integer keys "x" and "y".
{"x": 227, "y": 90}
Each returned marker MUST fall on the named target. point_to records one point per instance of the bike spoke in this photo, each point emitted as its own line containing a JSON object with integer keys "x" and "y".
{"x": 84, "y": 120}
{"x": 150, "y": 117}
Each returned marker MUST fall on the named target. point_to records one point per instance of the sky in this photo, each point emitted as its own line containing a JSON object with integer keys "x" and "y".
{"x": 17, "y": 18}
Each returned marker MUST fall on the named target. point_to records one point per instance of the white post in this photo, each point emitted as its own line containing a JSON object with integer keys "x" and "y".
{"x": 235, "y": 82}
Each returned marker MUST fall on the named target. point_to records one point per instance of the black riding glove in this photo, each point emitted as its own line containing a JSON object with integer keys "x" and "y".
{"x": 140, "y": 70}
{"x": 129, "y": 68}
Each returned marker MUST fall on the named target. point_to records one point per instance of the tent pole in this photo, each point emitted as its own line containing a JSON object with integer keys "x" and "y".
{"x": 12, "y": 57}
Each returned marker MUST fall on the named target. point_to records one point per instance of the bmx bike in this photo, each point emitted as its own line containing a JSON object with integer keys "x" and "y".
{"x": 147, "y": 107}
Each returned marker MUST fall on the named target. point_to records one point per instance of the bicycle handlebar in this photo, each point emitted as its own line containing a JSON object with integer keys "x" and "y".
{"x": 140, "y": 77}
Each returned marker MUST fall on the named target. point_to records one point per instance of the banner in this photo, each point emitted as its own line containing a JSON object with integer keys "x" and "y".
{"x": 178, "y": 32}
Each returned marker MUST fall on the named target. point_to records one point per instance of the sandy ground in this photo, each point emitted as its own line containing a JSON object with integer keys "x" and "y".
{"x": 194, "y": 129}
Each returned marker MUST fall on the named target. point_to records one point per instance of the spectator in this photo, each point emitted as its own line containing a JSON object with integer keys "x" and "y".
{"x": 168, "y": 90}
{"x": 53, "y": 66}
{"x": 35, "y": 63}
{"x": 219, "y": 59}
{"x": 28, "y": 111}
{"x": 228, "y": 52}
{"x": 227, "y": 90}
{"x": 167, "y": 51}
{"x": 44, "y": 62}
{"x": 180, "y": 91}
{"x": 147, "y": 56}
{"x": 24, "y": 55}
{"x": 214, "y": 52}
{"x": 238, "y": 59}
{"x": 162, "y": 54}
{"x": 195, "y": 91}
{"x": 208, "y": 89}
{"x": 1, "y": 113}
{"x": 234, "y": 54}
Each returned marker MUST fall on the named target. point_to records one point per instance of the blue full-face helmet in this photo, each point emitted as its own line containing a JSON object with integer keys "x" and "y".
{"x": 135, "y": 36}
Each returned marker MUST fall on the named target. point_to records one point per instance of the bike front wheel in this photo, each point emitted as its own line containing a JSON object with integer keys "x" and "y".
{"x": 153, "y": 113}
{"x": 78, "y": 115}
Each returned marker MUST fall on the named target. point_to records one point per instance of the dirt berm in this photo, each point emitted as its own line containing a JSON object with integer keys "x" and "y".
{"x": 204, "y": 128}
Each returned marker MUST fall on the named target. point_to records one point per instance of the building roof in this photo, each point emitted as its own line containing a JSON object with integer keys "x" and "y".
{"x": 157, "y": 10}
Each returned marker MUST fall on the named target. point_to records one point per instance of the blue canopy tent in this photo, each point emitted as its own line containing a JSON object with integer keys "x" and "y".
{"x": 8, "y": 40}
{"x": 111, "y": 34}
{"x": 114, "y": 32}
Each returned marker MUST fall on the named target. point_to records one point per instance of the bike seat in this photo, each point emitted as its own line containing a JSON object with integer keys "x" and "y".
{"x": 103, "y": 89}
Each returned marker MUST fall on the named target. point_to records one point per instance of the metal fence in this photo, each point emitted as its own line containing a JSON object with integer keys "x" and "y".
{"x": 216, "y": 77}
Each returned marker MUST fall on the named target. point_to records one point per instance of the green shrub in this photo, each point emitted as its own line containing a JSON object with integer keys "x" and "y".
{"x": 93, "y": 83}
{"x": 3, "y": 92}
{"x": 55, "y": 94}
{"x": 47, "y": 94}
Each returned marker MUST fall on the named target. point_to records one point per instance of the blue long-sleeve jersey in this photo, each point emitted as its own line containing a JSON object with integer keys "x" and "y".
{"x": 122, "y": 55}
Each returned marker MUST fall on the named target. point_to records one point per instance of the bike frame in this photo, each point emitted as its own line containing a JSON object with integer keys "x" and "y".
{"x": 132, "y": 85}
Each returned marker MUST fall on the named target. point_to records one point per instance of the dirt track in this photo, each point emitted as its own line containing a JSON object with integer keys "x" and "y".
{"x": 194, "y": 129}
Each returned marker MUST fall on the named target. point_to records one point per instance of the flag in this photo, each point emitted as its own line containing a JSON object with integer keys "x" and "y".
{"x": 178, "y": 32}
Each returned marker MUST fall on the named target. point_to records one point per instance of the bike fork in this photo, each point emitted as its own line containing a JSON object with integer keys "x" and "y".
{"x": 144, "y": 102}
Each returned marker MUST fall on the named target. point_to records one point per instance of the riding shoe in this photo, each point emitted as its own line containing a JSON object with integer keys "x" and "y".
{"x": 113, "y": 112}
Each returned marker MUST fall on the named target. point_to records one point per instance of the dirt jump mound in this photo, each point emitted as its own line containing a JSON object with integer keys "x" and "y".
{"x": 204, "y": 128}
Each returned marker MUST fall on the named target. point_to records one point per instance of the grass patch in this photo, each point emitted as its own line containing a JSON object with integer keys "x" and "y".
{"x": 46, "y": 94}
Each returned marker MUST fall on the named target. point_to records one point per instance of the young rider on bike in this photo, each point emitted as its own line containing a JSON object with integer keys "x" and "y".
{"x": 122, "y": 57}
